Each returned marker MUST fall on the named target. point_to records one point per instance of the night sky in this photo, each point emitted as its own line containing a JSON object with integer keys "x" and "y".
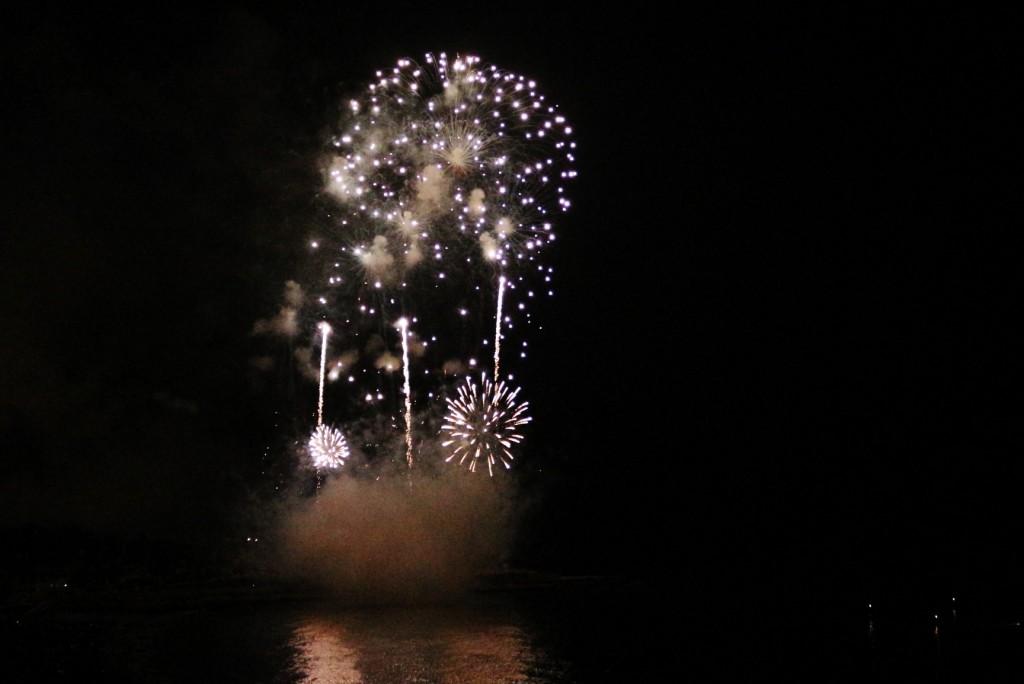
{"x": 782, "y": 340}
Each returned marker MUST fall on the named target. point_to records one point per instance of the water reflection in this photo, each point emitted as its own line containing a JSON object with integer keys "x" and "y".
{"x": 323, "y": 655}
{"x": 449, "y": 644}
{"x": 546, "y": 639}
{"x": 584, "y": 634}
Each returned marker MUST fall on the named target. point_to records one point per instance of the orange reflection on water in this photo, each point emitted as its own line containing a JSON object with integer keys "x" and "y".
{"x": 323, "y": 655}
{"x": 414, "y": 644}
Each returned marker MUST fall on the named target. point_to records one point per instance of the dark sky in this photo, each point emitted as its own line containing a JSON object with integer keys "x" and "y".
{"x": 785, "y": 292}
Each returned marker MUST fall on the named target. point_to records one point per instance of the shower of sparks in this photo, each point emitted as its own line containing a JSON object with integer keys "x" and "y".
{"x": 327, "y": 447}
{"x": 481, "y": 425}
{"x": 403, "y": 325}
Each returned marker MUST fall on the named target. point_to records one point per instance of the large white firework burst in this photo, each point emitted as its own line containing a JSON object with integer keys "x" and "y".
{"x": 481, "y": 424}
{"x": 328, "y": 447}
{"x": 448, "y": 159}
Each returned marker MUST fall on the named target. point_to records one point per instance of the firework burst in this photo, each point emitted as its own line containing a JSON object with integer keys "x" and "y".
{"x": 445, "y": 161}
{"x": 457, "y": 138}
{"x": 327, "y": 447}
{"x": 481, "y": 424}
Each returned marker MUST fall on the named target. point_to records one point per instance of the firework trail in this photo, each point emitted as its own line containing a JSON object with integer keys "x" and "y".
{"x": 497, "y": 327}
{"x": 325, "y": 330}
{"x": 403, "y": 325}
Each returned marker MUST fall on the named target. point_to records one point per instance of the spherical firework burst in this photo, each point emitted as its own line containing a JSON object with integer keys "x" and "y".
{"x": 449, "y": 156}
{"x": 481, "y": 425}
{"x": 327, "y": 447}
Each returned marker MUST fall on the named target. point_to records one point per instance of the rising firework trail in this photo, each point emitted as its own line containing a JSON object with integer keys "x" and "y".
{"x": 325, "y": 330}
{"x": 403, "y": 325}
{"x": 497, "y": 327}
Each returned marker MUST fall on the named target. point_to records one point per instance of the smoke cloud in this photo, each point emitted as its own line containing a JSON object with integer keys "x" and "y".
{"x": 404, "y": 538}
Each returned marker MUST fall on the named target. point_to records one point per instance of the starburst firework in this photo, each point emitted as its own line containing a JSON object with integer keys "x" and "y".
{"x": 327, "y": 447}
{"x": 481, "y": 425}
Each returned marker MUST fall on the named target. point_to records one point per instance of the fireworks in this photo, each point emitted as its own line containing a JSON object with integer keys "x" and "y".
{"x": 447, "y": 159}
{"x": 327, "y": 447}
{"x": 444, "y": 180}
{"x": 482, "y": 424}
{"x": 444, "y": 176}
